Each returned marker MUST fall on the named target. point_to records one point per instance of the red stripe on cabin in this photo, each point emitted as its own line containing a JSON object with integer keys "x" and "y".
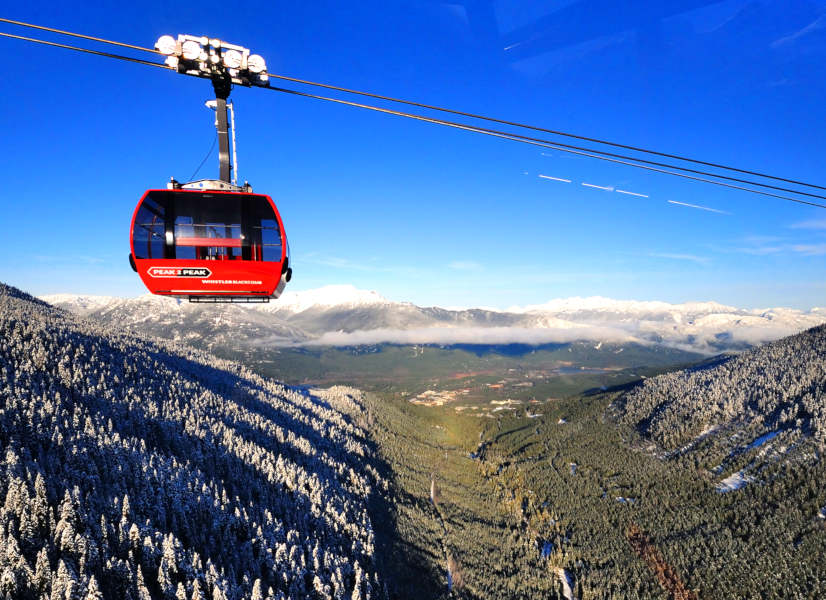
{"x": 208, "y": 241}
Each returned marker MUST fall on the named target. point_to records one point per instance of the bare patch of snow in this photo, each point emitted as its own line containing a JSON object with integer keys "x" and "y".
{"x": 733, "y": 482}
{"x": 567, "y": 582}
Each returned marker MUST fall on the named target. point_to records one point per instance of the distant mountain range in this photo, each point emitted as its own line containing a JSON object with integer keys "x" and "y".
{"x": 345, "y": 316}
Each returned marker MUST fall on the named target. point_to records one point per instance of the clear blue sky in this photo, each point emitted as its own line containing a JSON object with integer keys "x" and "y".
{"x": 421, "y": 213}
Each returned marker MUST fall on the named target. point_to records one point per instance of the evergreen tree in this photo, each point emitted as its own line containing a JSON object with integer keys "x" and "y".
{"x": 92, "y": 591}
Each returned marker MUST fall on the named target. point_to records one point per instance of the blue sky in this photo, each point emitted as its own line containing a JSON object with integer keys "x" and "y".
{"x": 423, "y": 213}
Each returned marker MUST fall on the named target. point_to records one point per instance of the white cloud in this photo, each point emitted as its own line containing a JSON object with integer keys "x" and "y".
{"x": 755, "y": 335}
{"x": 810, "y": 249}
{"x": 818, "y": 249}
{"x": 761, "y": 250}
{"x": 701, "y": 338}
{"x": 688, "y": 257}
{"x": 811, "y": 224}
{"x": 761, "y": 239}
{"x": 465, "y": 265}
{"x": 474, "y": 335}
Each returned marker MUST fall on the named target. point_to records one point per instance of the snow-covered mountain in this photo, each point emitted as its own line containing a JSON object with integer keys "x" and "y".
{"x": 342, "y": 296}
{"x": 738, "y": 411}
{"x": 212, "y": 326}
{"x": 135, "y": 468}
{"x": 343, "y": 315}
{"x": 781, "y": 386}
{"x": 80, "y": 303}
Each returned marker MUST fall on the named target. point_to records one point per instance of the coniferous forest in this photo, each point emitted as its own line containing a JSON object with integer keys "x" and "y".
{"x": 131, "y": 469}
{"x": 140, "y": 468}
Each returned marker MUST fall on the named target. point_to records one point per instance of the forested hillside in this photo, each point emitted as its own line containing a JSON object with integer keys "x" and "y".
{"x": 133, "y": 469}
{"x": 775, "y": 389}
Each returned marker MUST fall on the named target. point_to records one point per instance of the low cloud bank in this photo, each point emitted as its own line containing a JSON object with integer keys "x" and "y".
{"x": 755, "y": 335}
{"x": 704, "y": 342}
{"x": 474, "y": 335}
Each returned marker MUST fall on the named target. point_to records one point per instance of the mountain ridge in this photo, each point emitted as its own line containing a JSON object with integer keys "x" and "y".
{"x": 736, "y": 412}
{"x": 345, "y": 316}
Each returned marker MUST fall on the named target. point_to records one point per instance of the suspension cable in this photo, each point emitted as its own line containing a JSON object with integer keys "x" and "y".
{"x": 87, "y": 51}
{"x": 560, "y": 145}
{"x": 581, "y": 151}
{"x": 545, "y": 130}
{"x": 494, "y": 120}
{"x": 543, "y": 144}
{"x": 78, "y": 35}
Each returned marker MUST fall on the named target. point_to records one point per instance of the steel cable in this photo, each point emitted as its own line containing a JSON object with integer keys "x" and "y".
{"x": 577, "y": 150}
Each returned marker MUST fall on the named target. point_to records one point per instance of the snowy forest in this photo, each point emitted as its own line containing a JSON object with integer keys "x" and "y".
{"x": 139, "y": 469}
{"x": 773, "y": 389}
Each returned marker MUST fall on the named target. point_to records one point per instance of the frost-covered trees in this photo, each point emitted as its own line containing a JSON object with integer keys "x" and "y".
{"x": 780, "y": 386}
{"x": 136, "y": 469}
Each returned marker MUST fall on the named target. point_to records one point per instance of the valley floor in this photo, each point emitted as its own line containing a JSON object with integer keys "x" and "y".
{"x": 572, "y": 505}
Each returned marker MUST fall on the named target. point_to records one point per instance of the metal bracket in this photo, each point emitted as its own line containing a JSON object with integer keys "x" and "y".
{"x": 225, "y": 65}
{"x": 222, "y": 84}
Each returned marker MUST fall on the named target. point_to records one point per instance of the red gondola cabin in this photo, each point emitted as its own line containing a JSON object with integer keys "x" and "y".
{"x": 209, "y": 245}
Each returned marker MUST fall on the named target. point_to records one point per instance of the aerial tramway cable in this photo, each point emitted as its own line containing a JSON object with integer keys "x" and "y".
{"x": 633, "y": 161}
{"x": 78, "y": 35}
{"x": 543, "y": 129}
{"x": 87, "y": 51}
{"x": 489, "y": 119}
{"x": 590, "y": 152}
{"x": 548, "y": 144}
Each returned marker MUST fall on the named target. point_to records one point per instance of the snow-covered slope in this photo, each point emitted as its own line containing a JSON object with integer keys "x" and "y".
{"x": 136, "y": 469}
{"x": 211, "y": 326}
{"x": 738, "y": 412}
{"x": 78, "y": 303}
{"x": 781, "y": 385}
{"x": 344, "y": 315}
{"x": 696, "y": 324}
